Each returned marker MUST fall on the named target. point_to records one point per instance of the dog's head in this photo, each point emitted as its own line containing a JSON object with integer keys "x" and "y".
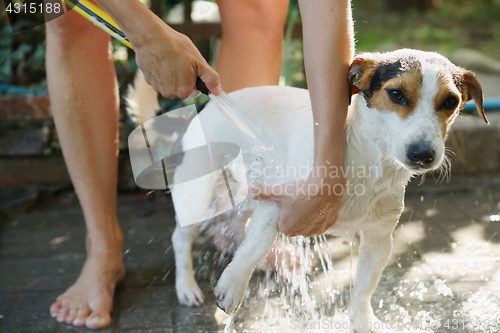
{"x": 417, "y": 95}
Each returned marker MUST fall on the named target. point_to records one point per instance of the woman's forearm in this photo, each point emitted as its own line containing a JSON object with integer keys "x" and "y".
{"x": 328, "y": 52}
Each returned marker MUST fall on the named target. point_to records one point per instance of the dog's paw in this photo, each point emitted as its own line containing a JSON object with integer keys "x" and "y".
{"x": 229, "y": 293}
{"x": 364, "y": 321}
{"x": 188, "y": 293}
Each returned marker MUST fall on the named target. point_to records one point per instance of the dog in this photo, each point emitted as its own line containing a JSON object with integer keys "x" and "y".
{"x": 403, "y": 104}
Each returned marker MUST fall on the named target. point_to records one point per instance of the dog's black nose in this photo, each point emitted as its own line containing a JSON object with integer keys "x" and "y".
{"x": 421, "y": 154}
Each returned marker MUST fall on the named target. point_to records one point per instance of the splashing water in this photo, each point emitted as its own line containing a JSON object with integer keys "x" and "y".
{"x": 229, "y": 328}
{"x": 262, "y": 149}
{"x": 263, "y": 157}
{"x": 296, "y": 298}
{"x": 293, "y": 293}
{"x": 299, "y": 299}
{"x": 245, "y": 123}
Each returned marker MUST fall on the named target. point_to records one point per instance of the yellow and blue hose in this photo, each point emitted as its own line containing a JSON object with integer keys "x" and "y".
{"x": 99, "y": 17}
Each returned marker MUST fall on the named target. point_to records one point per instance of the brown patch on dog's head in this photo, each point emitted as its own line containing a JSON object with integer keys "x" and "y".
{"x": 456, "y": 86}
{"x": 361, "y": 71}
{"x": 447, "y": 100}
{"x": 400, "y": 94}
{"x": 470, "y": 88}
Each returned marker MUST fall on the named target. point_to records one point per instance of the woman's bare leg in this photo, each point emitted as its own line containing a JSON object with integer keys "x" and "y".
{"x": 251, "y": 50}
{"x": 252, "y": 42}
{"x": 84, "y": 100}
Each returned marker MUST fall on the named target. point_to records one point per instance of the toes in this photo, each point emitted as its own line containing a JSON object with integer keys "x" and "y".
{"x": 219, "y": 300}
{"x": 191, "y": 299}
{"x": 63, "y": 313}
{"x": 189, "y": 295}
{"x": 73, "y": 310}
{"x": 230, "y": 290}
{"x": 98, "y": 320}
{"x": 197, "y": 294}
{"x": 81, "y": 316}
{"x": 100, "y": 316}
{"x": 55, "y": 308}
{"x": 228, "y": 301}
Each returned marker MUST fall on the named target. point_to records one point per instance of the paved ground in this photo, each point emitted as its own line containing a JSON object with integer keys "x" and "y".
{"x": 446, "y": 265}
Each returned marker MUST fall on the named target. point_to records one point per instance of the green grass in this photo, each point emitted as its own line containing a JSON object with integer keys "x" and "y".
{"x": 457, "y": 24}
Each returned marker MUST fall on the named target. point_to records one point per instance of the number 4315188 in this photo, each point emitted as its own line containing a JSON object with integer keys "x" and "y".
{"x": 33, "y": 8}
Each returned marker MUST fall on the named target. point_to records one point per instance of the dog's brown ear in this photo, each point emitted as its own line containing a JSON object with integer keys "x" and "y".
{"x": 471, "y": 89}
{"x": 360, "y": 73}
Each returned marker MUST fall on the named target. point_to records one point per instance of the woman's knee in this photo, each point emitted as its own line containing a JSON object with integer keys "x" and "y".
{"x": 71, "y": 28}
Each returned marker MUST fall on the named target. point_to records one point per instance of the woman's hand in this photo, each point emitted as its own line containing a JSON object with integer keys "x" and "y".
{"x": 308, "y": 207}
{"x": 169, "y": 60}
{"x": 170, "y": 63}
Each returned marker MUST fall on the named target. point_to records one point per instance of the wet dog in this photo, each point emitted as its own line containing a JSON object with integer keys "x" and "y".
{"x": 404, "y": 104}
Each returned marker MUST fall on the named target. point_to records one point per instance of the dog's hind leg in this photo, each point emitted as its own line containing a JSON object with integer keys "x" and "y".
{"x": 260, "y": 236}
{"x": 374, "y": 252}
{"x": 186, "y": 287}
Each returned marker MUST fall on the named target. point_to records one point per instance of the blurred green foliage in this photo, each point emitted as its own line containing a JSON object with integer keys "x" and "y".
{"x": 385, "y": 25}
{"x": 22, "y": 55}
{"x": 447, "y": 26}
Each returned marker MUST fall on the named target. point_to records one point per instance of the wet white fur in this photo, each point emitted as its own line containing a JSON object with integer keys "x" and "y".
{"x": 286, "y": 115}
{"x": 376, "y": 140}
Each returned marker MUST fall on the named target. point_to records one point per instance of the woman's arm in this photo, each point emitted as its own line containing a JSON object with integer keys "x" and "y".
{"x": 169, "y": 60}
{"x": 328, "y": 52}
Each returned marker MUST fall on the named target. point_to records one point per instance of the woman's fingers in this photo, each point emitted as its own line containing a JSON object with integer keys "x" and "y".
{"x": 288, "y": 223}
{"x": 211, "y": 79}
{"x": 171, "y": 64}
{"x": 303, "y": 210}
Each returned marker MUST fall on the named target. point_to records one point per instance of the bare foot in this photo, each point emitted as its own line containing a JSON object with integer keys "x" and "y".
{"x": 90, "y": 300}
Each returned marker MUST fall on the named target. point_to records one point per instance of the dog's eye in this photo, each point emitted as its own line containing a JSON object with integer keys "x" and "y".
{"x": 450, "y": 103}
{"x": 396, "y": 95}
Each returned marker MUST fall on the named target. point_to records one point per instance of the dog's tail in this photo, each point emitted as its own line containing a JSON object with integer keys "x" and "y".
{"x": 142, "y": 100}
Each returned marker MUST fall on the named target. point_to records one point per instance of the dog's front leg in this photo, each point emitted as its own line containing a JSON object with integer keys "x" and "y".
{"x": 374, "y": 252}
{"x": 186, "y": 287}
{"x": 260, "y": 236}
